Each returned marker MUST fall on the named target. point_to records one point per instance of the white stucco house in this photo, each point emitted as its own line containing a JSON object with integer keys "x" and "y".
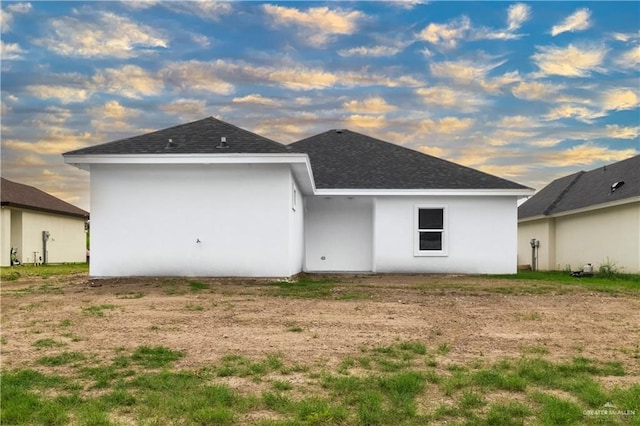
{"x": 39, "y": 227}
{"x": 210, "y": 199}
{"x": 586, "y": 217}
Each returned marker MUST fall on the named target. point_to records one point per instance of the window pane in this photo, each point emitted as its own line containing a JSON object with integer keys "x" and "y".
{"x": 430, "y": 240}
{"x": 430, "y": 218}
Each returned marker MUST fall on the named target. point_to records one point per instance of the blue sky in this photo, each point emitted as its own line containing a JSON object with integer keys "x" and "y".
{"x": 526, "y": 91}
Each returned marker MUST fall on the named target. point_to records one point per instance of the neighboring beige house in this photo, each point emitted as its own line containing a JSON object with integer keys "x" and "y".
{"x": 587, "y": 217}
{"x": 39, "y": 227}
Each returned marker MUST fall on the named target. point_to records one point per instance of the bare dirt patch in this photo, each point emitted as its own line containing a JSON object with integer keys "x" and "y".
{"x": 470, "y": 317}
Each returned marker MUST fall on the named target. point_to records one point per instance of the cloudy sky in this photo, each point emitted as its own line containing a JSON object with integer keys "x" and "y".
{"x": 526, "y": 91}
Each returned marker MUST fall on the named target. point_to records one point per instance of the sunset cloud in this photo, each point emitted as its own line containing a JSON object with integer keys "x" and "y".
{"x": 620, "y": 99}
{"x": 446, "y": 35}
{"x": 518, "y": 14}
{"x": 373, "y": 105}
{"x": 630, "y": 58}
{"x": 317, "y": 25}
{"x": 65, "y": 94}
{"x": 186, "y": 109}
{"x": 101, "y": 35}
{"x": 206, "y": 9}
{"x": 130, "y": 81}
{"x": 536, "y": 90}
{"x": 10, "y": 51}
{"x": 473, "y": 73}
{"x": 620, "y": 132}
{"x": 7, "y": 14}
{"x": 256, "y": 99}
{"x": 442, "y": 96}
{"x": 572, "y": 111}
{"x": 53, "y": 142}
{"x": 374, "y": 51}
{"x": 194, "y": 76}
{"x": 359, "y": 121}
{"x": 447, "y": 125}
{"x": 577, "y": 21}
{"x": 572, "y": 61}
{"x": 585, "y": 154}
{"x": 114, "y": 110}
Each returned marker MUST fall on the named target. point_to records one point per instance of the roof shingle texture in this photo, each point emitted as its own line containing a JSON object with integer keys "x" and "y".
{"x": 346, "y": 159}
{"x": 585, "y": 189}
{"x": 15, "y": 194}
{"x": 199, "y": 137}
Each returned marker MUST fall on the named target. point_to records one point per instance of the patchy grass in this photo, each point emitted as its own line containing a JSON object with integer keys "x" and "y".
{"x": 143, "y": 386}
{"x": 130, "y": 295}
{"x": 194, "y": 307}
{"x": 553, "y": 281}
{"x": 197, "y": 286}
{"x": 12, "y": 273}
{"x": 304, "y": 288}
{"x": 47, "y": 343}
{"x": 63, "y": 358}
{"x": 156, "y": 356}
{"x": 98, "y": 310}
{"x": 412, "y": 382}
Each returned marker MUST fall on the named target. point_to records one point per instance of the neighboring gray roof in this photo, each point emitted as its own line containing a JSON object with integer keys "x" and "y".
{"x": 346, "y": 159}
{"x": 585, "y": 189}
{"x": 14, "y": 194}
{"x": 198, "y": 137}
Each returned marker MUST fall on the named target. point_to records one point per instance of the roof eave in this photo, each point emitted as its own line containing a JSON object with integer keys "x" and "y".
{"x": 517, "y": 192}
{"x": 586, "y": 209}
{"x": 299, "y": 162}
{"x": 13, "y": 205}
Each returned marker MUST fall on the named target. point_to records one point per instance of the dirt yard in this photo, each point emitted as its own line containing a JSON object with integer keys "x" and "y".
{"x": 208, "y": 318}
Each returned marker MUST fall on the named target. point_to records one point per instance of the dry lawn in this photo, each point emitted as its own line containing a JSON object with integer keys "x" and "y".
{"x": 471, "y": 317}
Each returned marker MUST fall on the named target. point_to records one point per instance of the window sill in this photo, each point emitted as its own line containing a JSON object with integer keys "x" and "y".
{"x": 430, "y": 254}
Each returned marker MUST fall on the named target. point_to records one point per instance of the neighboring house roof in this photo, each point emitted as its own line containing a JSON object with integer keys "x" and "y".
{"x": 199, "y": 137}
{"x": 585, "y": 189}
{"x": 14, "y": 194}
{"x": 346, "y": 159}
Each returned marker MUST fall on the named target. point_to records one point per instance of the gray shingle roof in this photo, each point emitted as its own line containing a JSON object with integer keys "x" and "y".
{"x": 199, "y": 137}
{"x": 339, "y": 159}
{"x": 23, "y": 196}
{"x": 585, "y": 189}
{"x": 346, "y": 159}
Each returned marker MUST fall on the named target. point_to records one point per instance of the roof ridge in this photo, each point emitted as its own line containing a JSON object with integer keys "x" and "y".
{"x": 564, "y": 192}
{"x": 245, "y": 130}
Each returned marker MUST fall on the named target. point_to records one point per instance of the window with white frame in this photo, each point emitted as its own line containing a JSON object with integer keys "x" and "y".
{"x": 430, "y": 231}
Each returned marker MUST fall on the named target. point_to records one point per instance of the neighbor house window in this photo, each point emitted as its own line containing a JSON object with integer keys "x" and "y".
{"x": 430, "y": 231}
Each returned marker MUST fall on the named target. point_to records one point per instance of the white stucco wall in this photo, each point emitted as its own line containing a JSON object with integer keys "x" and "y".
{"x": 66, "y": 243}
{"x": 296, "y": 228}
{"x": 339, "y": 234}
{"x": 594, "y": 236}
{"x": 147, "y": 219}
{"x": 482, "y": 235}
{"x": 5, "y": 236}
